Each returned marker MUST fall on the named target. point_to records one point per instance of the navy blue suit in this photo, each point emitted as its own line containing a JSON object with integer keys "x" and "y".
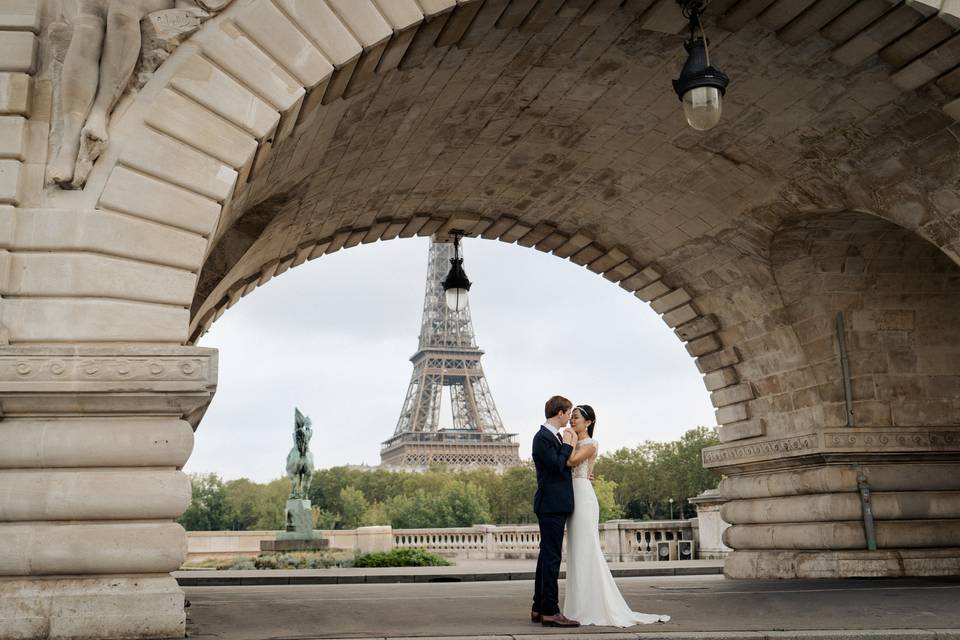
{"x": 553, "y": 503}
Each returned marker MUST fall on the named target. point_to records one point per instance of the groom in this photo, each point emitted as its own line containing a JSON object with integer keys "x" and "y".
{"x": 553, "y": 503}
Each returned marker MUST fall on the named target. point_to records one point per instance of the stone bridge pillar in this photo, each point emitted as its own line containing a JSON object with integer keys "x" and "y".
{"x": 797, "y": 505}
{"x": 92, "y": 442}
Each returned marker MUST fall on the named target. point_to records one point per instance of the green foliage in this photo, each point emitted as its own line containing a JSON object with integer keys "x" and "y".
{"x": 633, "y": 483}
{"x": 209, "y": 508}
{"x": 648, "y": 476}
{"x": 323, "y": 519}
{"x": 297, "y": 560}
{"x": 609, "y": 509}
{"x": 406, "y": 557}
{"x": 353, "y": 504}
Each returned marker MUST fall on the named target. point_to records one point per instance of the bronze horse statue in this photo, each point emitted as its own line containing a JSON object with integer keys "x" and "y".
{"x": 300, "y": 460}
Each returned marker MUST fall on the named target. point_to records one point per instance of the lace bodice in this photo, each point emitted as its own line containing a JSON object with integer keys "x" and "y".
{"x": 583, "y": 469}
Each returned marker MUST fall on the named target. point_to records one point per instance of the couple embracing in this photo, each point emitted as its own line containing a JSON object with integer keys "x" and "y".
{"x": 564, "y": 458}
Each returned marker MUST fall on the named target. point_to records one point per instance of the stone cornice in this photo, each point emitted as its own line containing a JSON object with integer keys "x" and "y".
{"x": 116, "y": 379}
{"x": 827, "y": 443}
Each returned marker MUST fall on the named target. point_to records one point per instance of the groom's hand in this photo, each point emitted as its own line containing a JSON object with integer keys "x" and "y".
{"x": 569, "y": 437}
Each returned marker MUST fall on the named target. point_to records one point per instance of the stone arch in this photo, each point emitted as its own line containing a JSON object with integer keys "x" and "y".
{"x": 898, "y": 294}
{"x": 520, "y": 113}
{"x": 699, "y": 331}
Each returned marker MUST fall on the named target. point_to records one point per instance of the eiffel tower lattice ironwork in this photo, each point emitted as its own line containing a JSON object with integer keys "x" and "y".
{"x": 448, "y": 359}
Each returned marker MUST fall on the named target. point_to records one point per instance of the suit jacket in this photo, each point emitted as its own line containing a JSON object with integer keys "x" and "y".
{"x": 554, "y": 478}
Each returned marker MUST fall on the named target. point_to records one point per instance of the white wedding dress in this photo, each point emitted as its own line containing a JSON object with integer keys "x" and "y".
{"x": 591, "y": 596}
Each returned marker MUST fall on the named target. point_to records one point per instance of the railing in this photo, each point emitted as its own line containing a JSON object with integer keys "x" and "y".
{"x": 622, "y": 540}
{"x": 638, "y": 540}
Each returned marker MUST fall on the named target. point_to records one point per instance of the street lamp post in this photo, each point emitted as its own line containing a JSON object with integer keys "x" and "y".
{"x": 671, "y": 508}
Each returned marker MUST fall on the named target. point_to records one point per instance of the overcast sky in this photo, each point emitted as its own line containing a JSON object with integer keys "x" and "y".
{"x": 334, "y": 337}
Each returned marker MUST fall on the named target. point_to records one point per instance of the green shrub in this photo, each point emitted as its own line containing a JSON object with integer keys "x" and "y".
{"x": 401, "y": 558}
{"x": 244, "y": 563}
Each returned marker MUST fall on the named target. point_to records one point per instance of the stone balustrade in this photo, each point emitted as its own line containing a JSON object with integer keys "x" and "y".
{"x": 622, "y": 540}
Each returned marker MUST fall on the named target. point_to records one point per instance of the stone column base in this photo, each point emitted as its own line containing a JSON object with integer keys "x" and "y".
{"x": 122, "y": 606}
{"x": 886, "y": 563}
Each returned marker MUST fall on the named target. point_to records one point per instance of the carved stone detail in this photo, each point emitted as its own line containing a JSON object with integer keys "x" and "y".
{"x": 715, "y": 456}
{"x": 18, "y": 369}
{"x": 91, "y": 63}
{"x": 892, "y": 439}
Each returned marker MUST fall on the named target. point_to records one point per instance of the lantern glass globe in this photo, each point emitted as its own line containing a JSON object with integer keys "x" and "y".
{"x": 456, "y": 300}
{"x": 703, "y": 107}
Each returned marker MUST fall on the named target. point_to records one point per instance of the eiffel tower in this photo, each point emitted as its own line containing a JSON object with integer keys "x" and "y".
{"x": 448, "y": 359}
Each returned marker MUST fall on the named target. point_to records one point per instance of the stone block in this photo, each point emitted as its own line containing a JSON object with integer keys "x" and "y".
{"x": 741, "y": 430}
{"x": 641, "y": 279}
{"x": 179, "y": 164}
{"x": 704, "y": 345}
{"x": 938, "y": 60}
{"x": 363, "y": 20}
{"x": 94, "y": 494}
{"x": 622, "y": 271}
{"x": 232, "y": 51}
{"x": 587, "y": 255}
{"x": 681, "y": 315}
{"x": 607, "y": 261}
{"x": 20, "y": 15}
{"x": 187, "y": 121}
{"x": 18, "y": 51}
{"x": 697, "y": 328}
{"x": 217, "y": 91}
{"x": 10, "y": 175}
{"x": 952, "y": 109}
{"x": 732, "y": 394}
{"x": 86, "y": 320}
{"x": 36, "y": 548}
{"x": 67, "y": 275}
{"x": 731, "y": 413}
{"x": 670, "y": 301}
{"x": 652, "y": 291}
{"x": 323, "y": 26}
{"x": 104, "y": 607}
{"x": 13, "y": 141}
{"x": 139, "y": 195}
{"x": 94, "y": 442}
{"x": 720, "y": 378}
{"x": 15, "y": 89}
{"x": 718, "y": 360}
{"x": 273, "y": 32}
{"x": 664, "y": 16}
{"x": 571, "y": 246}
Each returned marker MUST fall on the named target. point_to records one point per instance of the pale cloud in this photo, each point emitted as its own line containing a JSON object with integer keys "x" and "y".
{"x": 334, "y": 337}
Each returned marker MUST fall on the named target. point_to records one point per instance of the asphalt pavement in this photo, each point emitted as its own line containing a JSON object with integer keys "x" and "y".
{"x": 701, "y": 607}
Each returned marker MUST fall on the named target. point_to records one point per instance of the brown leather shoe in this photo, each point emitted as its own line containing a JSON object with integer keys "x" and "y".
{"x": 535, "y": 616}
{"x": 558, "y": 620}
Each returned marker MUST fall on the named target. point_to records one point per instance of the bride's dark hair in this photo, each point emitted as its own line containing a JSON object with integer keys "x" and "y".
{"x": 588, "y": 414}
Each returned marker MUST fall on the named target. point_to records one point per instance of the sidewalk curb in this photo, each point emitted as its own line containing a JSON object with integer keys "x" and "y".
{"x": 818, "y": 634}
{"x": 283, "y": 577}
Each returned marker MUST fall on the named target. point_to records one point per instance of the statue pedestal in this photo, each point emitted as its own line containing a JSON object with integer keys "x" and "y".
{"x": 300, "y": 535}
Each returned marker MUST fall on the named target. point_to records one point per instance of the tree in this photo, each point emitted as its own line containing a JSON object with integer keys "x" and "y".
{"x": 463, "y": 505}
{"x": 209, "y": 508}
{"x": 353, "y": 505}
{"x": 243, "y": 496}
{"x": 376, "y": 514}
{"x": 609, "y": 509}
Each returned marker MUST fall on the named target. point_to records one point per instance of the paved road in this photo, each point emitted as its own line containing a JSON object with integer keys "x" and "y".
{"x": 701, "y": 603}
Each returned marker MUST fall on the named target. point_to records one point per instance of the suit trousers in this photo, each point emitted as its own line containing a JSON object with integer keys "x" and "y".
{"x": 546, "y": 596}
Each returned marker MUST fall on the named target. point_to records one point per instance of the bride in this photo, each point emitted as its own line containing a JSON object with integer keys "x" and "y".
{"x": 594, "y": 596}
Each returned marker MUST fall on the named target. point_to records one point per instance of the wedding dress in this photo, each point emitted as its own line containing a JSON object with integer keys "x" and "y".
{"x": 592, "y": 597}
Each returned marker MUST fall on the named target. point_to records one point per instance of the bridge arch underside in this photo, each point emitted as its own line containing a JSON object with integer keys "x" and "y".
{"x": 829, "y": 188}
